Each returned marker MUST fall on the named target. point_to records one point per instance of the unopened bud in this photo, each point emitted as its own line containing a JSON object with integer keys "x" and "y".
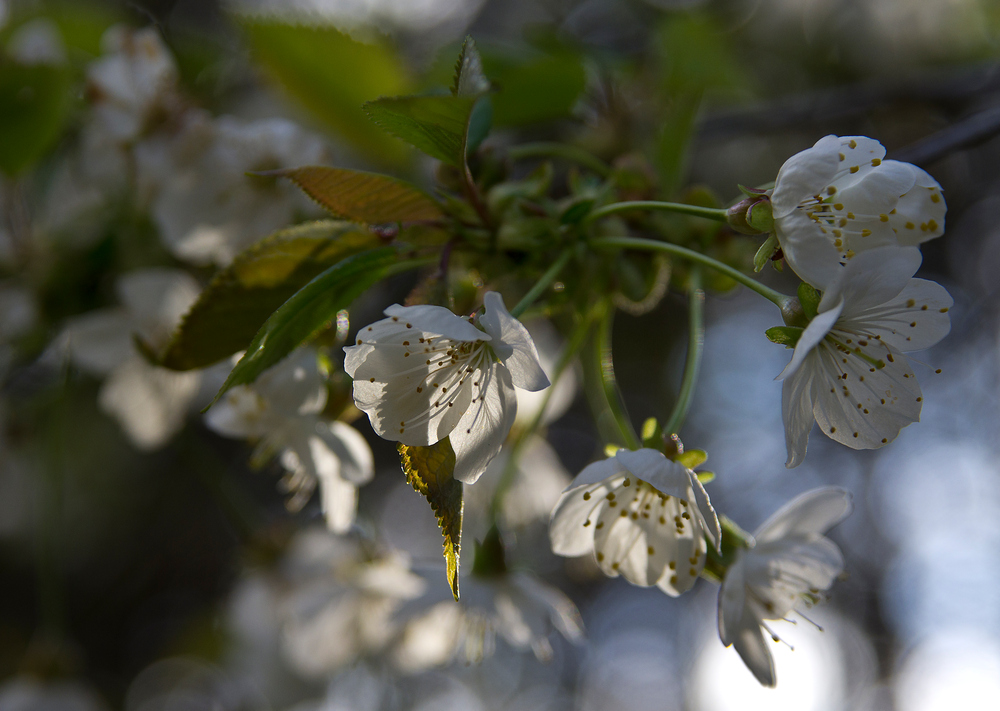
{"x": 751, "y": 215}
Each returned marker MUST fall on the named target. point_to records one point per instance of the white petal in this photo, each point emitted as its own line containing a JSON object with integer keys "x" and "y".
{"x": 294, "y": 386}
{"x": 437, "y": 320}
{"x": 805, "y": 174}
{"x": 100, "y": 341}
{"x": 563, "y": 614}
{"x": 877, "y": 190}
{"x": 915, "y": 319}
{"x": 781, "y": 572}
{"x": 814, "y": 333}
{"x": 797, "y": 399}
{"x": 597, "y": 472}
{"x": 809, "y": 252}
{"x": 868, "y": 408}
{"x": 712, "y": 528}
{"x": 357, "y": 465}
{"x": 653, "y": 467}
{"x": 512, "y": 344}
{"x": 481, "y": 432}
{"x": 338, "y": 497}
{"x": 919, "y": 214}
{"x": 750, "y": 643}
{"x": 240, "y": 413}
{"x": 814, "y": 512}
{"x": 856, "y": 155}
{"x": 156, "y": 300}
{"x": 150, "y": 403}
{"x": 568, "y": 533}
{"x": 732, "y": 600}
{"x": 872, "y": 278}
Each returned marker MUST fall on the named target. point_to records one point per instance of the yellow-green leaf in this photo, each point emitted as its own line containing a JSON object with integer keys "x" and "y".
{"x": 241, "y": 297}
{"x": 692, "y": 458}
{"x": 363, "y": 197}
{"x": 429, "y": 471}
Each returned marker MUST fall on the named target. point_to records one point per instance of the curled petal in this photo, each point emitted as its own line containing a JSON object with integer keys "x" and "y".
{"x": 813, "y": 512}
{"x": 481, "y": 431}
{"x": 513, "y": 344}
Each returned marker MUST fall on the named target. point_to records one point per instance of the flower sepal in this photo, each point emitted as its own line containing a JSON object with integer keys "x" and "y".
{"x": 490, "y": 559}
{"x": 787, "y": 336}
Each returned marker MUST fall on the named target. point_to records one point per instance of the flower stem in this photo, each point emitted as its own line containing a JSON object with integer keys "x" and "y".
{"x": 542, "y": 284}
{"x": 782, "y": 301}
{"x": 603, "y": 393}
{"x": 696, "y": 345}
{"x": 545, "y": 149}
{"x": 710, "y": 213}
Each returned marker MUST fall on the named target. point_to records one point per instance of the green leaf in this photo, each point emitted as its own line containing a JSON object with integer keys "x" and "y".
{"x": 784, "y": 335}
{"x": 434, "y": 124}
{"x": 577, "y": 210}
{"x": 469, "y": 78}
{"x": 332, "y": 75}
{"x": 34, "y": 102}
{"x": 241, "y": 297}
{"x": 692, "y": 458}
{"x": 430, "y": 470}
{"x": 364, "y": 197}
{"x": 809, "y": 298}
{"x": 308, "y": 312}
{"x": 766, "y": 251}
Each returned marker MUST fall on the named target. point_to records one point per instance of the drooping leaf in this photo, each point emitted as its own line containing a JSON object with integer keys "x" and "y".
{"x": 240, "y": 297}
{"x": 363, "y": 197}
{"x": 469, "y": 78}
{"x": 429, "y": 470}
{"x": 332, "y": 75}
{"x": 308, "y": 311}
{"x": 784, "y": 335}
{"x": 435, "y": 125}
{"x": 34, "y": 101}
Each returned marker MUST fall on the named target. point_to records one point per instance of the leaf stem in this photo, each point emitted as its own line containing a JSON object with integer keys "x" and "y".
{"x": 696, "y": 345}
{"x": 546, "y": 149}
{"x": 710, "y": 213}
{"x": 542, "y": 284}
{"x": 782, "y": 301}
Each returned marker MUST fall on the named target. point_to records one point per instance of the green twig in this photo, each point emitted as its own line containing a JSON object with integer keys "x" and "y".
{"x": 542, "y": 284}
{"x": 710, "y": 213}
{"x": 782, "y": 301}
{"x": 696, "y": 345}
{"x": 606, "y": 397}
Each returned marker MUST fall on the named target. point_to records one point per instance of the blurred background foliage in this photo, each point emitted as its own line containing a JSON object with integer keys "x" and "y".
{"x": 122, "y": 572}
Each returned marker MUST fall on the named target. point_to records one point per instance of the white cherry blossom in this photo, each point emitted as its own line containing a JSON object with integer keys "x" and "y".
{"x": 424, "y": 374}
{"x": 149, "y": 402}
{"x": 644, "y": 516}
{"x": 840, "y": 198}
{"x": 518, "y": 606}
{"x": 848, "y": 371}
{"x": 789, "y": 564}
{"x": 281, "y": 409}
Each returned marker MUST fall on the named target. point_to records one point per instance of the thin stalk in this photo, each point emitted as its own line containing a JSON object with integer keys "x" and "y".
{"x": 782, "y": 301}
{"x": 602, "y": 366}
{"x": 696, "y": 345}
{"x": 711, "y": 213}
{"x": 542, "y": 284}
{"x": 510, "y": 469}
{"x": 573, "y": 154}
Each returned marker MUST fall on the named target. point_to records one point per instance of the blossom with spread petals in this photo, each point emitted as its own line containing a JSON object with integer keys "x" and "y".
{"x": 789, "y": 563}
{"x": 518, "y": 606}
{"x": 281, "y": 409}
{"x": 848, "y": 371}
{"x": 424, "y": 374}
{"x": 149, "y": 402}
{"x": 644, "y": 516}
{"x": 840, "y": 198}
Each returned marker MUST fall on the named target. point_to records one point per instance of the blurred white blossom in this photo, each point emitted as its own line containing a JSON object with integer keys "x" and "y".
{"x": 281, "y": 410}
{"x": 789, "y": 564}
{"x": 521, "y": 608}
{"x": 341, "y": 602}
{"x": 206, "y": 208}
{"x": 149, "y": 402}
